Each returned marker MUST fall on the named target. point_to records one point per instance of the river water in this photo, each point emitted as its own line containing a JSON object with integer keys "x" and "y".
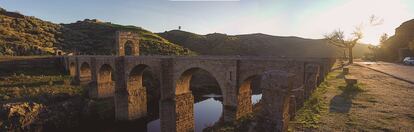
{"x": 206, "y": 112}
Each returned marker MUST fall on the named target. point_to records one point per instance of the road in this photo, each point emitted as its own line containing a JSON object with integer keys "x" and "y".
{"x": 398, "y": 71}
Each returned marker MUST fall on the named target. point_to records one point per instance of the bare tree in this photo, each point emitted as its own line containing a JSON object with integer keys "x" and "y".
{"x": 337, "y": 38}
{"x": 375, "y": 21}
{"x": 376, "y": 49}
{"x": 383, "y": 38}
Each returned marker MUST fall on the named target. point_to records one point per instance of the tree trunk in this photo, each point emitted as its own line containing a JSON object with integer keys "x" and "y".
{"x": 351, "y": 56}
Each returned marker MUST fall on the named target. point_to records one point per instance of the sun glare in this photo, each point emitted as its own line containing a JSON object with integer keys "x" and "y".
{"x": 357, "y": 13}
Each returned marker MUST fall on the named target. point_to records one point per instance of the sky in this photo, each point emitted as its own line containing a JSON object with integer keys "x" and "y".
{"x": 302, "y": 18}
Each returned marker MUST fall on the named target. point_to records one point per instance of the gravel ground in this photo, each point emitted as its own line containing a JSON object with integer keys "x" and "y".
{"x": 384, "y": 103}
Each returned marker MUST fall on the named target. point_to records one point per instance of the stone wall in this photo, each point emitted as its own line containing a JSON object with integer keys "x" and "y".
{"x": 8, "y": 64}
{"x": 311, "y": 78}
{"x": 105, "y": 89}
{"x": 244, "y": 102}
{"x": 277, "y": 86}
{"x": 184, "y": 112}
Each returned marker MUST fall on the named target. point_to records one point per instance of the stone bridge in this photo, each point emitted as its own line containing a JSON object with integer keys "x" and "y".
{"x": 121, "y": 77}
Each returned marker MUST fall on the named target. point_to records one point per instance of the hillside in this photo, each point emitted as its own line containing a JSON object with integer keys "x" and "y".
{"x": 26, "y": 35}
{"x": 404, "y": 35}
{"x": 256, "y": 45}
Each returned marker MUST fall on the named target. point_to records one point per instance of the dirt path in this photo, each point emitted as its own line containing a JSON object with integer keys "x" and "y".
{"x": 383, "y": 104}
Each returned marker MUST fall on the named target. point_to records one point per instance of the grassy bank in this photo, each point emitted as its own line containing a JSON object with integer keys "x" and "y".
{"x": 35, "y": 85}
{"x": 318, "y": 105}
{"x": 37, "y": 99}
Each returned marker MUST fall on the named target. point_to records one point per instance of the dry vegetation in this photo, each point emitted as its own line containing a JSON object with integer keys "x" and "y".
{"x": 38, "y": 99}
{"x": 20, "y": 87}
{"x": 378, "y": 103}
{"x": 26, "y": 35}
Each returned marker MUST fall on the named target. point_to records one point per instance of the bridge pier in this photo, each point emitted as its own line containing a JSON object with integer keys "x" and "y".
{"x": 83, "y": 74}
{"x": 277, "y": 86}
{"x": 299, "y": 97}
{"x": 311, "y": 76}
{"x": 177, "y": 115}
{"x": 293, "y": 103}
{"x": 184, "y": 112}
{"x": 244, "y": 101}
{"x": 76, "y": 78}
{"x": 130, "y": 95}
{"x": 102, "y": 85}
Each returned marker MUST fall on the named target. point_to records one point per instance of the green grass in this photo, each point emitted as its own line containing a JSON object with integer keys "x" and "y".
{"x": 39, "y": 88}
{"x": 350, "y": 90}
{"x": 310, "y": 114}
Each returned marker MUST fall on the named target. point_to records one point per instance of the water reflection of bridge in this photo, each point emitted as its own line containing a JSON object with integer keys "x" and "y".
{"x": 122, "y": 78}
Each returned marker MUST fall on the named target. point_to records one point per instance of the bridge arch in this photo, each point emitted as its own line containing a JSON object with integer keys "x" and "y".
{"x": 182, "y": 81}
{"x": 85, "y": 74}
{"x": 184, "y": 99}
{"x": 105, "y": 82}
{"x": 136, "y": 97}
{"x": 244, "y": 95}
{"x": 135, "y": 75}
{"x": 105, "y": 73}
{"x": 128, "y": 50}
{"x": 72, "y": 69}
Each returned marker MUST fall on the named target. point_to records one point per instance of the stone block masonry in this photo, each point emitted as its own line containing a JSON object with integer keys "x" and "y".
{"x": 277, "y": 86}
{"x": 233, "y": 74}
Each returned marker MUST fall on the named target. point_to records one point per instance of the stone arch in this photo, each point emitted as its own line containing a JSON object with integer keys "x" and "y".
{"x": 105, "y": 82}
{"x": 85, "y": 74}
{"x": 184, "y": 100}
{"x": 182, "y": 84}
{"x": 244, "y": 95}
{"x": 135, "y": 75}
{"x": 127, "y": 41}
{"x": 72, "y": 69}
{"x": 128, "y": 47}
{"x": 185, "y": 74}
{"x": 138, "y": 92}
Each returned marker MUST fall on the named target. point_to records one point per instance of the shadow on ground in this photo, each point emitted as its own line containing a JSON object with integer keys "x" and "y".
{"x": 342, "y": 103}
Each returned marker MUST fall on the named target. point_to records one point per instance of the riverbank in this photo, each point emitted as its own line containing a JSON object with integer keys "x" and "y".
{"x": 44, "y": 100}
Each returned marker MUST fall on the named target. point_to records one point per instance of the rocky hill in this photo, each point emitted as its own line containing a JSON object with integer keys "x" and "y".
{"x": 26, "y": 35}
{"x": 404, "y": 36}
{"x": 256, "y": 45}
